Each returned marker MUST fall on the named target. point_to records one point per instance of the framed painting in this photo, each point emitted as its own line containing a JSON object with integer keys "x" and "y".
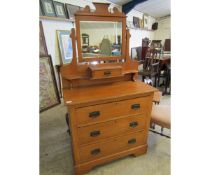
{"x": 65, "y": 46}
{"x": 42, "y": 43}
{"x": 59, "y": 9}
{"x": 48, "y": 7}
{"x": 48, "y": 91}
{"x": 141, "y": 22}
{"x": 136, "y": 22}
{"x": 71, "y": 10}
{"x": 146, "y": 21}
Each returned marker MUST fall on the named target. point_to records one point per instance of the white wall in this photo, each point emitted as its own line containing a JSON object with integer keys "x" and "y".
{"x": 50, "y": 28}
{"x": 164, "y": 29}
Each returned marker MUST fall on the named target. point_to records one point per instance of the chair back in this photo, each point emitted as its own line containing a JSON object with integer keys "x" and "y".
{"x": 152, "y": 61}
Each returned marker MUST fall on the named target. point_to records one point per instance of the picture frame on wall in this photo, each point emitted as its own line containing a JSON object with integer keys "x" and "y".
{"x": 141, "y": 22}
{"x": 48, "y": 7}
{"x": 71, "y": 10}
{"x": 48, "y": 91}
{"x": 42, "y": 42}
{"x": 136, "y": 22}
{"x": 146, "y": 21}
{"x": 59, "y": 9}
{"x": 65, "y": 46}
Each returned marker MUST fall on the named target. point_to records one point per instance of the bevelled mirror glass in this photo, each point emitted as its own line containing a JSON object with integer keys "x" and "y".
{"x": 100, "y": 39}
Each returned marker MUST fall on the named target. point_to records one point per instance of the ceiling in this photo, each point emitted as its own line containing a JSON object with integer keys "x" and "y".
{"x": 155, "y": 8}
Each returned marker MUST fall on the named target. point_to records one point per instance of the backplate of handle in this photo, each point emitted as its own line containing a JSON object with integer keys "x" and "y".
{"x": 95, "y": 151}
{"x": 135, "y": 106}
{"x": 133, "y": 124}
{"x": 107, "y": 73}
{"x": 132, "y": 141}
{"x": 95, "y": 133}
{"x": 94, "y": 114}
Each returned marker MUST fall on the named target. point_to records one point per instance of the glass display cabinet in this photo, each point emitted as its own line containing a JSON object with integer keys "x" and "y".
{"x": 108, "y": 108}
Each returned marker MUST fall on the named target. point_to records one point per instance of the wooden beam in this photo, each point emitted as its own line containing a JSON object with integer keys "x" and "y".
{"x": 130, "y": 5}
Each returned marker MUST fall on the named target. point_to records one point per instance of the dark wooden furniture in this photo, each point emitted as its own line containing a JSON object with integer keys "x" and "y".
{"x": 156, "y": 44}
{"x": 165, "y": 73}
{"x": 58, "y": 67}
{"x": 145, "y": 46}
{"x": 150, "y": 65}
{"x": 167, "y": 45}
{"x": 109, "y": 109}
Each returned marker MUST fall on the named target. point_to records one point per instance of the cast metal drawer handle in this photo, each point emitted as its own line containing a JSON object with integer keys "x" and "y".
{"x": 132, "y": 141}
{"x": 107, "y": 73}
{"x": 94, "y": 114}
{"x": 95, "y": 151}
{"x": 133, "y": 124}
{"x": 135, "y": 106}
{"x": 95, "y": 133}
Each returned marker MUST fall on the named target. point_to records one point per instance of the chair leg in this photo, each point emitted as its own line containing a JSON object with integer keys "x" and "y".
{"x": 155, "y": 80}
{"x": 67, "y": 122}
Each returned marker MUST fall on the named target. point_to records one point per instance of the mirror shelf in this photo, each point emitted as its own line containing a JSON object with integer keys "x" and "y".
{"x": 100, "y": 44}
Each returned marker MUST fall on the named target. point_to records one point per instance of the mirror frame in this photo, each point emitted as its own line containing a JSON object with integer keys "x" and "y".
{"x": 100, "y": 14}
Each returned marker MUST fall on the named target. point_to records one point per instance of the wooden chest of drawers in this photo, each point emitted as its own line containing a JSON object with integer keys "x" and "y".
{"x": 108, "y": 122}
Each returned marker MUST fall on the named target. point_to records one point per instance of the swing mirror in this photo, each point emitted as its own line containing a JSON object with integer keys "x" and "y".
{"x": 100, "y": 39}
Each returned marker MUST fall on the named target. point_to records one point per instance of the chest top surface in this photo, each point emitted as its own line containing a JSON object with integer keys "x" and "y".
{"x": 106, "y": 92}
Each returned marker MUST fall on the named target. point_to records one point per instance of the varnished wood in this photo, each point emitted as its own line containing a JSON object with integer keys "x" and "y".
{"x": 110, "y": 128}
{"x": 87, "y": 166}
{"x": 114, "y": 145}
{"x": 109, "y": 115}
{"x": 100, "y": 71}
{"x": 112, "y": 109}
{"x": 106, "y": 93}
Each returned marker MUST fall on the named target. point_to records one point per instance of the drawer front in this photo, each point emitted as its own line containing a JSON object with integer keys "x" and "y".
{"x": 106, "y": 73}
{"x": 101, "y": 112}
{"x": 101, "y": 149}
{"x": 112, "y": 128}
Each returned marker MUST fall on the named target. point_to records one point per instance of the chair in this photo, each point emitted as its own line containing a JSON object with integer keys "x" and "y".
{"x": 164, "y": 73}
{"x": 160, "y": 114}
{"x": 150, "y": 65}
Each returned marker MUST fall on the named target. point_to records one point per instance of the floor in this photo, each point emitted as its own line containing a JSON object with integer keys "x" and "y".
{"x": 56, "y": 155}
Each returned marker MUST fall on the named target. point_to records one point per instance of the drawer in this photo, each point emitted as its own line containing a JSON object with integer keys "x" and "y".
{"x": 97, "y": 150}
{"x": 98, "y": 72}
{"x": 112, "y": 128}
{"x": 106, "y": 73}
{"x": 107, "y": 111}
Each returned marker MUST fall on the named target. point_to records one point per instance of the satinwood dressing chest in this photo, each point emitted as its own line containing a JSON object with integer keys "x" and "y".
{"x": 109, "y": 109}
